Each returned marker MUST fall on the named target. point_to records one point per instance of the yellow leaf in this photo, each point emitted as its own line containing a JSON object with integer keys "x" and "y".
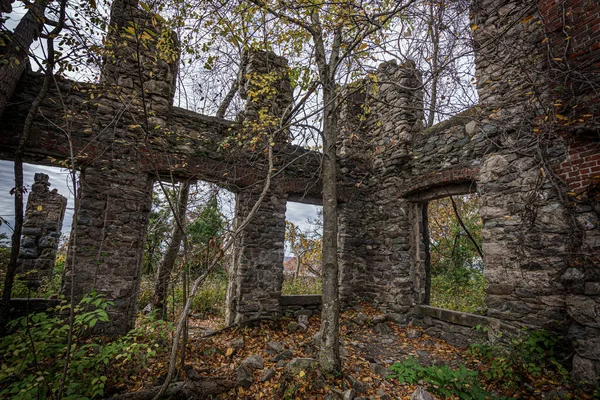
{"x": 229, "y": 351}
{"x": 301, "y": 374}
{"x": 362, "y": 46}
{"x": 39, "y": 208}
{"x": 474, "y": 27}
{"x": 527, "y": 19}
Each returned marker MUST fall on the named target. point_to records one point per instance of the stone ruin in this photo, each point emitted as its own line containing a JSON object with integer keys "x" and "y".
{"x": 538, "y": 180}
{"x": 42, "y": 226}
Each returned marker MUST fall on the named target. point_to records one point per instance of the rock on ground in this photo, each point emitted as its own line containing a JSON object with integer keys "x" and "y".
{"x": 244, "y": 376}
{"x": 300, "y": 364}
{"x": 254, "y": 362}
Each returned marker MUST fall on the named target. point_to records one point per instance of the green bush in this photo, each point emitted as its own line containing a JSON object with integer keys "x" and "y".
{"x": 302, "y": 285}
{"x": 211, "y": 296}
{"x": 465, "y": 295}
{"x": 526, "y": 358}
{"x": 146, "y": 292}
{"x": 49, "y": 286}
{"x": 34, "y": 354}
{"x": 441, "y": 380}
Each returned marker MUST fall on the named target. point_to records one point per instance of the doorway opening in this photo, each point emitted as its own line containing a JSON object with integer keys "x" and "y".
{"x": 303, "y": 248}
{"x": 455, "y": 279}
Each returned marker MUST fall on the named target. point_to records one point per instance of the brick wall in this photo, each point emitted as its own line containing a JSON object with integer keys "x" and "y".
{"x": 582, "y": 164}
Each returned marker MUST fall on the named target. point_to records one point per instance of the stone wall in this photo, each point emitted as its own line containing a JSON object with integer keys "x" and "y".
{"x": 42, "y": 226}
{"x": 302, "y": 304}
{"x": 256, "y": 273}
{"x": 540, "y": 237}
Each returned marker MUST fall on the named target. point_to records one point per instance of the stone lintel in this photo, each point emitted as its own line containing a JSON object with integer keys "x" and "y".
{"x": 301, "y": 300}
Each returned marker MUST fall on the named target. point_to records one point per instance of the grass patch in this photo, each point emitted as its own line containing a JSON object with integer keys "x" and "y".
{"x": 302, "y": 285}
{"x": 465, "y": 296}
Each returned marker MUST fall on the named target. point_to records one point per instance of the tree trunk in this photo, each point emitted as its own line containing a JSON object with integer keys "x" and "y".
{"x": 329, "y": 355}
{"x": 297, "y": 273}
{"x": 17, "y": 51}
{"x": 165, "y": 268}
{"x": 434, "y": 22}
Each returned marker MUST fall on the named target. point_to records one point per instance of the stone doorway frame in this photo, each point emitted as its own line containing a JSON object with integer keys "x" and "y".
{"x": 420, "y": 253}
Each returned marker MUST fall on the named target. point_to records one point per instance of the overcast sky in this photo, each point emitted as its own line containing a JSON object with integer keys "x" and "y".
{"x": 58, "y": 180}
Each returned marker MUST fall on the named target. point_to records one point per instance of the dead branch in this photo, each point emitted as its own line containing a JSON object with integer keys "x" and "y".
{"x": 199, "y": 388}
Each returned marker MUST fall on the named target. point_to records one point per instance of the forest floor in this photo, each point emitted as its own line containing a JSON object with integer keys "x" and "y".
{"x": 368, "y": 350}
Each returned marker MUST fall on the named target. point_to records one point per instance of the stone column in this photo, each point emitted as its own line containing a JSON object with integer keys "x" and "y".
{"x": 375, "y": 264}
{"x": 265, "y": 84}
{"x": 41, "y": 231}
{"x": 108, "y": 239}
{"x": 256, "y": 275}
{"x": 107, "y": 244}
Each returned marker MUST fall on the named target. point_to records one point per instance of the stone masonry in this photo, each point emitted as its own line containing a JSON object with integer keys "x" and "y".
{"x": 41, "y": 231}
{"x": 530, "y": 149}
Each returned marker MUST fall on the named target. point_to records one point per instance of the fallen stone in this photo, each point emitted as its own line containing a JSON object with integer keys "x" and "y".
{"x": 293, "y": 326}
{"x": 306, "y": 312}
{"x": 344, "y": 352}
{"x": 237, "y": 343}
{"x": 284, "y": 355}
{"x": 280, "y": 364}
{"x": 380, "y": 318}
{"x": 380, "y": 370}
{"x": 348, "y": 395}
{"x": 583, "y": 370}
{"x": 300, "y": 364}
{"x": 421, "y": 394}
{"x": 275, "y": 347}
{"x": 302, "y": 327}
{"x": 383, "y": 395}
{"x": 358, "y": 386}
{"x": 244, "y": 376}
{"x": 303, "y": 319}
{"x": 267, "y": 375}
{"x": 399, "y": 319}
{"x": 360, "y": 319}
{"x": 254, "y": 362}
{"x": 422, "y": 354}
{"x": 412, "y": 333}
{"x": 383, "y": 329}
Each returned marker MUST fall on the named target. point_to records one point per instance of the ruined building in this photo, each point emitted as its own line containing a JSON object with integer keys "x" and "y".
{"x": 531, "y": 149}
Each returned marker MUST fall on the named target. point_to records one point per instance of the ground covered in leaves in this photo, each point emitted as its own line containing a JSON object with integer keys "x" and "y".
{"x": 264, "y": 354}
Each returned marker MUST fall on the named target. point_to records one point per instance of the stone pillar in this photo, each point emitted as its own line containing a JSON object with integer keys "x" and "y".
{"x": 41, "y": 231}
{"x": 265, "y": 84}
{"x": 256, "y": 275}
{"x": 375, "y": 265}
{"x": 107, "y": 244}
{"x": 108, "y": 239}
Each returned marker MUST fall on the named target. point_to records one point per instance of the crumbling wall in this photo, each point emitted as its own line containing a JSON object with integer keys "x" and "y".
{"x": 42, "y": 226}
{"x": 533, "y": 171}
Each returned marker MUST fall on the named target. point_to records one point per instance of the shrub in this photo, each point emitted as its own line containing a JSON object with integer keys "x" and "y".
{"x": 211, "y": 296}
{"x": 466, "y": 295}
{"x": 34, "y": 354}
{"x": 526, "y": 358}
{"x": 440, "y": 380}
